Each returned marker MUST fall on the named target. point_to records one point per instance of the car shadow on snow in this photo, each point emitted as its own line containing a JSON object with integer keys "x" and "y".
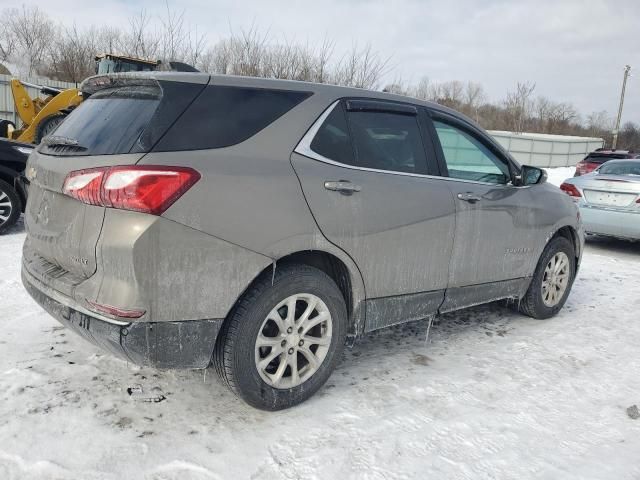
{"x": 488, "y": 320}
{"x": 608, "y": 245}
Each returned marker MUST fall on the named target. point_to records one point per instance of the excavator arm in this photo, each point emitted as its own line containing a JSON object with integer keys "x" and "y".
{"x": 35, "y": 112}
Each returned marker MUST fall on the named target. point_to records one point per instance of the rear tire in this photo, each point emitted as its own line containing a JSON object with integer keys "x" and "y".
{"x": 4, "y": 128}
{"x": 260, "y": 328}
{"x": 549, "y": 288}
{"x": 10, "y": 206}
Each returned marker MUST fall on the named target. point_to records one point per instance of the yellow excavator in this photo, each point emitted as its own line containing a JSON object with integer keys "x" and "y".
{"x": 40, "y": 116}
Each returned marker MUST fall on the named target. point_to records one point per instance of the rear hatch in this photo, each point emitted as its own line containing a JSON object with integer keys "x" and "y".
{"x": 116, "y": 125}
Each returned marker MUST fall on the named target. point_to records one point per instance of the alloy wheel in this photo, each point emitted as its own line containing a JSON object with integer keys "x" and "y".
{"x": 555, "y": 279}
{"x": 6, "y": 207}
{"x": 293, "y": 341}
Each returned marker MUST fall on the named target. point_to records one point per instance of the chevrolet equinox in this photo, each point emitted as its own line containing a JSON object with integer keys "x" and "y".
{"x": 182, "y": 220}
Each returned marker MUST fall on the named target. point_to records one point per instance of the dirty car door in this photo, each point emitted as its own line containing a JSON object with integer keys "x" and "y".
{"x": 366, "y": 186}
{"x": 496, "y": 226}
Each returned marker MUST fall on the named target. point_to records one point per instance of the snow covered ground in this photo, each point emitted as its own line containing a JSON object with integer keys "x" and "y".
{"x": 491, "y": 395}
{"x": 557, "y": 175}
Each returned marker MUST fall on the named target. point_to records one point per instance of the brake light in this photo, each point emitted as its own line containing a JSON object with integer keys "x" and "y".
{"x": 584, "y": 167}
{"x": 570, "y": 190}
{"x": 141, "y": 188}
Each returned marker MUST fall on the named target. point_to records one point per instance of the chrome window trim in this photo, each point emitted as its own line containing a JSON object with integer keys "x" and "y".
{"x": 304, "y": 148}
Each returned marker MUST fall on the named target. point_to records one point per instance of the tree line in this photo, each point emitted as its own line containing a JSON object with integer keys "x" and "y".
{"x": 34, "y": 44}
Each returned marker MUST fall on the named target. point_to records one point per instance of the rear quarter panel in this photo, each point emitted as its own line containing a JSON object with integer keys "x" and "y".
{"x": 250, "y": 197}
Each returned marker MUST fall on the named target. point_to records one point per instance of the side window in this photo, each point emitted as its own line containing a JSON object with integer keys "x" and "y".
{"x": 332, "y": 140}
{"x": 469, "y": 159}
{"x": 223, "y": 116}
{"x": 387, "y": 141}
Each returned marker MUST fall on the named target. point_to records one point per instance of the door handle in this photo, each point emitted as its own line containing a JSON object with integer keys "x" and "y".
{"x": 345, "y": 187}
{"x": 469, "y": 197}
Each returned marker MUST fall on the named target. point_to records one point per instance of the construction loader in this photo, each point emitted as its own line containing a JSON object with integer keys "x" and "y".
{"x": 40, "y": 116}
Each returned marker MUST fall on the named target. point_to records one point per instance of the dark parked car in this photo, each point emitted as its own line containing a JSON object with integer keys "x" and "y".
{"x": 179, "y": 220}
{"x": 13, "y": 197}
{"x": 599, "y": 157}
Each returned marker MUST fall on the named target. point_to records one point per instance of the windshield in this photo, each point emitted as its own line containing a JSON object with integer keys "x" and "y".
{"x": 105, "y": 66}
{"x": 628, "y": 167}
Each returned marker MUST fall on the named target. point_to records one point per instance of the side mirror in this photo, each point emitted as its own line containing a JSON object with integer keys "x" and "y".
{"x": 531, "y": 176}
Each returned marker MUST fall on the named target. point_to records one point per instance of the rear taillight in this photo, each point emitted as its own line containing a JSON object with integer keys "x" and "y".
{"x": 141, "y": 188}
{"x": 570, "y": 190}
{"x": 582, "y": 168}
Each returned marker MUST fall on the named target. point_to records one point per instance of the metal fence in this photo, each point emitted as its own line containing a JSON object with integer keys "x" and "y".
{"x": 543, "y": 150}
{"x": 7, "y": 106}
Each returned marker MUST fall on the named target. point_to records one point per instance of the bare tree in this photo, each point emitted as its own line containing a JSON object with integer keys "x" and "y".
{"x": 599, "y": 123}
{"x": 360, "y": 68}
{"x": 71, "y": 54}
{"x": 32, "y": 31}
{"x": 141, "y": 41}
{"x": 518, "y": 105}
{"x": 7, "y": 40}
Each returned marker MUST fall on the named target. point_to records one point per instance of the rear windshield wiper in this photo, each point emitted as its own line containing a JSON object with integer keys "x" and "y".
{"x": 57, "y": 141}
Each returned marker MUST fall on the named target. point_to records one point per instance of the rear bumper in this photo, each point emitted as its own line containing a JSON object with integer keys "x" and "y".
{"x": 187, "y": 344}
{"x": 611, "y": 222}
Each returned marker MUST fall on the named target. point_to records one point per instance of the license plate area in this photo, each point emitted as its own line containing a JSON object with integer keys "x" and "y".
{"x": 611, "y": 199}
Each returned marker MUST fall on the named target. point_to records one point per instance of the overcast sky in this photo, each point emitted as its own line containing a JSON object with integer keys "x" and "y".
{"x": 574, "y": 50}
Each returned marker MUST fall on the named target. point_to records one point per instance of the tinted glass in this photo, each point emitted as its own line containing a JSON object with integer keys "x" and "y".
{"x": 107, "y": 123}
{"x": 596, "y": 158}
{"x": 469, "y": 159}
{"x": 225, "y": 116}
{"x": 627, "y": 167}
{"x": 387, "y": 141}
{"x": 332, "y": 140}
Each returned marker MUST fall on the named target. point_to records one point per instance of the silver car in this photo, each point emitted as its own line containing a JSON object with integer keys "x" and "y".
{"x": 609, "y": 199}
{"x": 184, "y": 220}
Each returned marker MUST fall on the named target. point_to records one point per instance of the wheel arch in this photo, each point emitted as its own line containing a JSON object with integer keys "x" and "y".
{"x": 341, "y": 270}
{"x": 570, "y": 234}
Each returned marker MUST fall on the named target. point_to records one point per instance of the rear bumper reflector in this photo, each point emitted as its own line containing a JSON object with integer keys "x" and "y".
{"x": 115, "y": 311}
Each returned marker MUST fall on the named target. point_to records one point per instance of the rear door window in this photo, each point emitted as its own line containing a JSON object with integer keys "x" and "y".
{"x": 372, "y": 134}
{"x": 332, "y": 140}
{"x": 387, "y": 141}
{"x": 222, "y": 116}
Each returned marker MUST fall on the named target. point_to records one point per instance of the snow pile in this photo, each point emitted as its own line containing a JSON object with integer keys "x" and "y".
{"x": 558, "y": 175}
{"x": 492, "y": 394}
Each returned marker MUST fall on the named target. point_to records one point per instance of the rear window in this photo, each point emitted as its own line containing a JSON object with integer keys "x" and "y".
{"x": 109, "y": 122}
{"x": 628, "y": 167}
{"x": 222, "y": 116}
{"x": 605, "y": 158}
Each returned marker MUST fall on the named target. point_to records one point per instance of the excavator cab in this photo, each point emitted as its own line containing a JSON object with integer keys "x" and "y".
{"x": 110, "y": 63}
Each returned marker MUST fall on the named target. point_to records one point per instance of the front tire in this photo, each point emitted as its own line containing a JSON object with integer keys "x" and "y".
{"x": 552, "y": 280}
{"x": 283, "y": 339}
{"x": 10, "y": 206}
